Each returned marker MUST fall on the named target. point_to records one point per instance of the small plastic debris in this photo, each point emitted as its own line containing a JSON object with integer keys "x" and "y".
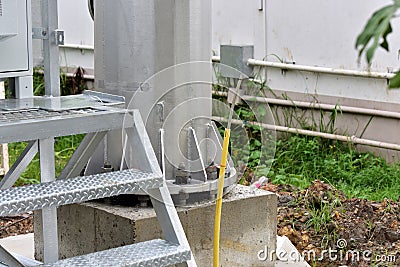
{"x": 258, "y": 184}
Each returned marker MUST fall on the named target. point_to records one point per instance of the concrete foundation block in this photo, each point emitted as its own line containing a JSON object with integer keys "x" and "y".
{"x": 249, "y": 223}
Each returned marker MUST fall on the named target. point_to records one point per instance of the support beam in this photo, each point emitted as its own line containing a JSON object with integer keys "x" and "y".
{"x": 160, "y": 197}
{"x": 49, "y": 215}
{"x": 4, "y": 147}
{"x": 50, "y": 48}
{"x": 5, "y": 161}
{"x": 82, "y": 155}
{"x": 143, "y": 157}
{"x": 20, "y": 165}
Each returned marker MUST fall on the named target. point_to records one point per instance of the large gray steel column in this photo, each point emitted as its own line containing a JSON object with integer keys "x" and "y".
{"x": 135, "y": 40}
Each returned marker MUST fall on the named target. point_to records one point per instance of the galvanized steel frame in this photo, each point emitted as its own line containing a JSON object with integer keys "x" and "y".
{"x": 154, "y": 184}
{"x": 35, "y": 129}
{"x": 50, "y": 47}
{"x": 145, "y": 254}
{"x": 75, "y": 190}
{"x": 82, "y": 155}
{"x": 160, "y": 197}
{"x": 48, "y": 214}
{"x": 20, "y": 165}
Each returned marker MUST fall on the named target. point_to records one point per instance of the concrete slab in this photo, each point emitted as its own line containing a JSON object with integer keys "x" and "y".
{"x": 20, "y": 244}
{"x": 249, "y": 223}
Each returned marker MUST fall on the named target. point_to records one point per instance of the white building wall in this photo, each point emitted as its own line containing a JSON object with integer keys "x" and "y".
{"x": 75, "y": 20}
{"x": 309, "y": 32}
{"x": 239, "y": 22}
{"x": 323, "y": 33}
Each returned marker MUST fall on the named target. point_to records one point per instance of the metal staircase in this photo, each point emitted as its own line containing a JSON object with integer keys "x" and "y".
{"x": 39, "y": 120}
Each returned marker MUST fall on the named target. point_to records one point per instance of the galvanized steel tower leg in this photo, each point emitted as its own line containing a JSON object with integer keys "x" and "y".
{"x": 49, "y": 215}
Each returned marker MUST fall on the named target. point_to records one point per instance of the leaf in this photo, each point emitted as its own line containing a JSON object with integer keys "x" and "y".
{"x": 257, "y": 143}
{"x": 377, "y": 28}
{"x": 395, "y": 81}
{"x": 385, "y": 44}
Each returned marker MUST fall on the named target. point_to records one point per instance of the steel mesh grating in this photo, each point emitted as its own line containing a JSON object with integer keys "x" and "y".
{"x": 34, "y": 114}
{"x": 146, "y": 254}
{"x": 62, "y": 192}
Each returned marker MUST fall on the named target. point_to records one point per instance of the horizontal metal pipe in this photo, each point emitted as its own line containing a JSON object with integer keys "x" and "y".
{"x": 69, "y": 74}
{"x": 216, "y": 59}
{"x": 313, "y": 105}
{"x": 353, "y": 139}
{"x": 285, "y": 66}
{"x": 343, "y": 72}
{"x": 333, "y": 71}
{"x": 85, "y": 76}
{"x": 78, "y": 46}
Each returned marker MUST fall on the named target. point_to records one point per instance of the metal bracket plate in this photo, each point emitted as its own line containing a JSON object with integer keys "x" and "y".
{"x": 39, "y": 33}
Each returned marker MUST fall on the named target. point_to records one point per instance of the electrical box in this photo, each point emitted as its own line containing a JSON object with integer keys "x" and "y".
{"x": 8, "y": 18}
{"x": 15, "y": 38}
{"x": 236, "y": 56}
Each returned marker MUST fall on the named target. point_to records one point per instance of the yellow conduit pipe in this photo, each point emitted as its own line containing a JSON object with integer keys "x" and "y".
{"x": 221, "y": 178}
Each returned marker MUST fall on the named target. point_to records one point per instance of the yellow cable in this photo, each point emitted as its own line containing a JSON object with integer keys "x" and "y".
{"x": 218, "y": 209}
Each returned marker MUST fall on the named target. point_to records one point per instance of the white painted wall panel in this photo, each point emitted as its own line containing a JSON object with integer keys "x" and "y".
{"x": 239, "y": 22}
{"x": 75, "y": 20}
{"x": 310, "y": 32}
{"x": 323, "y": 33}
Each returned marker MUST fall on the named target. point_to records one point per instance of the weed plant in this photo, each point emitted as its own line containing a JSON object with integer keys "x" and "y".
{"x": 300, "y": 160}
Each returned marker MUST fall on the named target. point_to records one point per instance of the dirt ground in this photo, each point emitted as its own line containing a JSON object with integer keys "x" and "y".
{"x": 339, "y": 231}
{"x": 16, "y": 225}
{"x": 320, "y": 221}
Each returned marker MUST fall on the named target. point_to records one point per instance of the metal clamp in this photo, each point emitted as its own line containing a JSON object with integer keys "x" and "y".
{"x": 59, "y": 35}
{"x": 42, "y": 34}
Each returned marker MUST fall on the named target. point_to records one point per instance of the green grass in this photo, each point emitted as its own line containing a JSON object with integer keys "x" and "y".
{"x": 64, "y": 147}
{"x": 300, "y": 160}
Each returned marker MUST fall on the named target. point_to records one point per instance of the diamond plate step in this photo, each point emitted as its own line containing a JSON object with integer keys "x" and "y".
{"x": 75, "y": 190}
{"x": 150, "y": 253}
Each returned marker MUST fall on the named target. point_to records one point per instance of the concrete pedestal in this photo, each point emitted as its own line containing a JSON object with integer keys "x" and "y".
{"x": 248, "y": 225}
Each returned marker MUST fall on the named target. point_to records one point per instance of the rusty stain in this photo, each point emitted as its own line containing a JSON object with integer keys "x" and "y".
{"x": 289, "y": 54}
{"x": 207, "y": 244}
{"x": 237, "y": 246}
{"x": 228, "y": 244}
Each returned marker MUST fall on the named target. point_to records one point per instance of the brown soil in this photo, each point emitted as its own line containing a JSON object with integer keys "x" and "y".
{"x": 16, "y": 225}
{"x": 358, "y": 232}
{"x": 368, "y": 227}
